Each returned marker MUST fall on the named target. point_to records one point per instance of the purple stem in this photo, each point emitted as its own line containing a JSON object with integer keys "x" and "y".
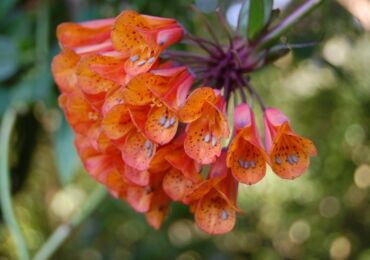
{"x": 187, "y": 55}
{"x": 201, "y": 43}
{"x": 253, "y": 92}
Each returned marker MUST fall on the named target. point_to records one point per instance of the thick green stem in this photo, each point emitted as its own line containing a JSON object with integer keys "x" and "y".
{"x": 64, "y": 230}
{"x": 289, "y": 21}
{"x": 5, "y": 189}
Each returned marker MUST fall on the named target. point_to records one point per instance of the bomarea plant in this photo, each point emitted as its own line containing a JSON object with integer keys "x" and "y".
{"x": 152, "y": 125}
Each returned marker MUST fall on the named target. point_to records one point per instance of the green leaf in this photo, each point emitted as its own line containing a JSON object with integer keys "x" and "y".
{"x": 259, "y": 15}
{"x": 65, "y": 153}
{"x": 244, "y": 16}
{"x": 8, "y": 58}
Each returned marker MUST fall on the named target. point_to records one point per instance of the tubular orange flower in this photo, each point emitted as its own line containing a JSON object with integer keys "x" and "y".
{"x": 246, "y": 156}
{"x": 143, "y": 37}
{"x": 86, "y": 37}
{"x": 162, "y": 91}
{"x": 289, "y": 153}
{"x": 204, "y": 111}
{"x": 214, "y": 200}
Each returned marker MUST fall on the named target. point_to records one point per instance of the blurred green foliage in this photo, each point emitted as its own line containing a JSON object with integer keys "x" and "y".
{"x": 324, "y": 89}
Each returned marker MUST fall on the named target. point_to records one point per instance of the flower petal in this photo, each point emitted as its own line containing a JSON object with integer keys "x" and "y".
{"x": 275, "y": 117}
{"x": 176, "y": 185}
{"x": 139, "y": 116}
{"x": 243, "y": 116}
{"x": 137, "y": 151}
{"x": 74, "y": 35}
{"x": 159, "y": 163}
{"x": 290, "y": 154}
{"x": 161, "y": 125}
{"x": 99, "y": 167}
{"x": 193, "y": 107}
{"x": 158, "y": 209}
{"x": 214, "y": 215}
{"x": 201, "y": 189}
{"x": 112, "y": 99}
{"x": 78, "y": 111}
{"x": 181, "y": 161}
{"x": 125, "y": 36}
{"x": 200, "y": 144}
{"x": 139, "y": 197}
{"x": 92, "y": 83}
{"x": 64, "y": 70}
{"x": 136, "y": 92}
{"x": 137, "y": 177}
{"x": 117, "y": 122}
{"x": 115, "y": 183}
{"x": 246, "y": 159}
{"x": 167, "y": 37}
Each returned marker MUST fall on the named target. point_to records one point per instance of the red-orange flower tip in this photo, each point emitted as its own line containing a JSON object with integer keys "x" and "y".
{"x": 289, "y": 153}
{"x": 86, "y": 37}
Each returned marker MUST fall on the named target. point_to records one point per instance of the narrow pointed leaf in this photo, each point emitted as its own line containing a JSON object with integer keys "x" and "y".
{"x": 259, "y": 15}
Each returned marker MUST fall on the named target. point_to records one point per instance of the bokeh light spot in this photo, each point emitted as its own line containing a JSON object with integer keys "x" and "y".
{"x": 180, "y": 233}
{"x": 66, "y": 201}
{"x": 354, "y": 134}
{"x": 362, "y": 176}
{"x": 189, "y": 255}
{"x": 299, "y": 231}
{"x": 329, "y": 207}
{"x": 340, "y": 248}
{"x": 336, "y": 51}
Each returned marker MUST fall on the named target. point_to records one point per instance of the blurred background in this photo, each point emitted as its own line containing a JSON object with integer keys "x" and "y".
{"x": 324, "y": 89}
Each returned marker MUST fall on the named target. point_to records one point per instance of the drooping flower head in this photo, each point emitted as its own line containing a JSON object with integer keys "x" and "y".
{"x": 150, "y": 122}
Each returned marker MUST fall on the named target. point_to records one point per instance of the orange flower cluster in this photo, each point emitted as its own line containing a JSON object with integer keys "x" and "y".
{"x": 140, "y": 133}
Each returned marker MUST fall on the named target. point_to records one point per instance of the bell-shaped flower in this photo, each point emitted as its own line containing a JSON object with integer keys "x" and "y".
{"x": 246, "y": 156}
{"x": 207, "y": 125}
{"x": 213, "y": 201}
{"x": 289, "y": 153}
{"x": 154, "y": 98}
{"x": 143, "y": 37}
